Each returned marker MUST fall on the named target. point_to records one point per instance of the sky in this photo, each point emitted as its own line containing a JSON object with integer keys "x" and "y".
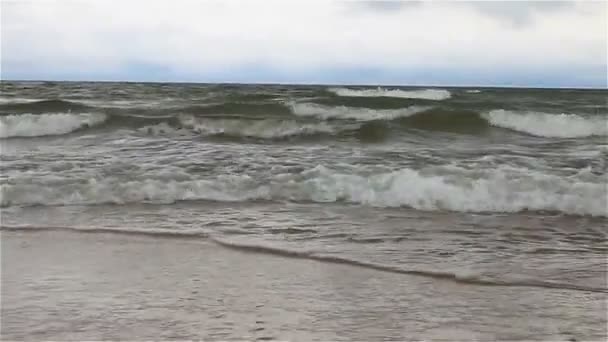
{"x": 492, "y": 43}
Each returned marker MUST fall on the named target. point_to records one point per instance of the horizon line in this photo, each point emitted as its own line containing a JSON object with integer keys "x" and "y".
{"x": 429, "y": 85}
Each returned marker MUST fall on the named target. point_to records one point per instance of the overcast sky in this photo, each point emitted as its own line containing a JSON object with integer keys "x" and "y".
{"x": 520, "y": 43}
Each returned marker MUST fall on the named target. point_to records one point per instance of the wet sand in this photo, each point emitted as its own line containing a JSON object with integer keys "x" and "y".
{"x": 102, "y": 286}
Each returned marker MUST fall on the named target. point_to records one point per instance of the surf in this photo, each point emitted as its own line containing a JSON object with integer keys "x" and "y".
{"x": 32, "y": 125}
{"x": 438, "y": 188}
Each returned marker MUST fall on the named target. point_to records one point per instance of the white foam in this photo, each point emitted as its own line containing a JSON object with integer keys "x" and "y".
{"x": 113, "y": 190}
{"x": 474, "y": 91}
{"x": 437, "y": 188}
{"x": 427, "y": 94}
{"x": 30, "y": 125}
{"x": 263, "y": 129}
{"x": 361, "y": 114}
{"x": 459, "y": 189}
{"x": 17, "y": 100}
{"x": 548, "y": 125}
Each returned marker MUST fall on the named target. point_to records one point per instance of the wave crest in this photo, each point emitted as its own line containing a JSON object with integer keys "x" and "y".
{"x": 31, "y": 125}
{"x": 548, "y": 125}
{"x": 424, "y": 94}
{"x": 440, "y": 188}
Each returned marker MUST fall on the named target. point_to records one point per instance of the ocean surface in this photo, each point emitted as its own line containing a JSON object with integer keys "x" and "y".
{"x": 498, "y": 190}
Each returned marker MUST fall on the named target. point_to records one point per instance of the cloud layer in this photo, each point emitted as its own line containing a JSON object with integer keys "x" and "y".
{"x": 417, "y": 42}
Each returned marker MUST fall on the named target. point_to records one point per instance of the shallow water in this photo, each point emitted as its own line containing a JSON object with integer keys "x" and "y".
{"x": 102, "y": 286}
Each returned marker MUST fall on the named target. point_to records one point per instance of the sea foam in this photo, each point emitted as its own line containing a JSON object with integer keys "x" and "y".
{"x": 438, "y": 188}
{"x": 426, "y": 94}
{"x": 360, "y": 114}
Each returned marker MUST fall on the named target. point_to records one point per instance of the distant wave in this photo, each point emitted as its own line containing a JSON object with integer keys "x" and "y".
{"x": 200, "y": 106}
{"x": 262, "y": 129}
{"x": 548, "y": 125}
{"x": 30, "y": 125}
{"x": 442, "y": 188}
{"x": 36, "y": 125}
{"x": 473, "y": 91}
{"x": 361, "y": 114}
{"x": 16, "y": 100}
{"x": 267, "y": 129}
{"x": 426, "y": 94}
{"x": 42, "y": 106}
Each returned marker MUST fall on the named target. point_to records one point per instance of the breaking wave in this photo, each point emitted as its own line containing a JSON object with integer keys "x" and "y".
{"x": 237, "y": 128}
{"x": 361, "y": 114}
{"x": 310, "y": 119}
{"x": 439, "y": 188}
{"x": 425, "y": 94}
{"x": 548, "y": 125}
{"x": 31, "y": 125}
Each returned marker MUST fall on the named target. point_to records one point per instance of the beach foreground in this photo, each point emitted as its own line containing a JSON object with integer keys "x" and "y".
{"x": 60, "y": 285}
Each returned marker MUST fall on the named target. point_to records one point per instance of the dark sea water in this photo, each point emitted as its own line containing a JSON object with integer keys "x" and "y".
{"x": 484, "y": 187}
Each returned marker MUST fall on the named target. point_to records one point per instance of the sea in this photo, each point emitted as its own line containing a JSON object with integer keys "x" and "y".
{"x": 487, "y": 206}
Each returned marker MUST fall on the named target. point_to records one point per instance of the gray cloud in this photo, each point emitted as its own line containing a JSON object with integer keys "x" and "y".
{"x": 382, "y": 6}
{"x": 388, "y": 5}
{"x": 518, "y": 13}
{"x": 513, "y": 12}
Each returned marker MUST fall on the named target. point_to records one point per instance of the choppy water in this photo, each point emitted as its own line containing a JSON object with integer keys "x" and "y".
{"x": 486, "y": 187}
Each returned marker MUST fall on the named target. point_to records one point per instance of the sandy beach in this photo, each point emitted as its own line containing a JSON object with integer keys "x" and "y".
{"x": 60, "y": 285}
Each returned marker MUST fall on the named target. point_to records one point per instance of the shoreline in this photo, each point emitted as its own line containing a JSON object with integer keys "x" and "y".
{"x": 69, "y": 285}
